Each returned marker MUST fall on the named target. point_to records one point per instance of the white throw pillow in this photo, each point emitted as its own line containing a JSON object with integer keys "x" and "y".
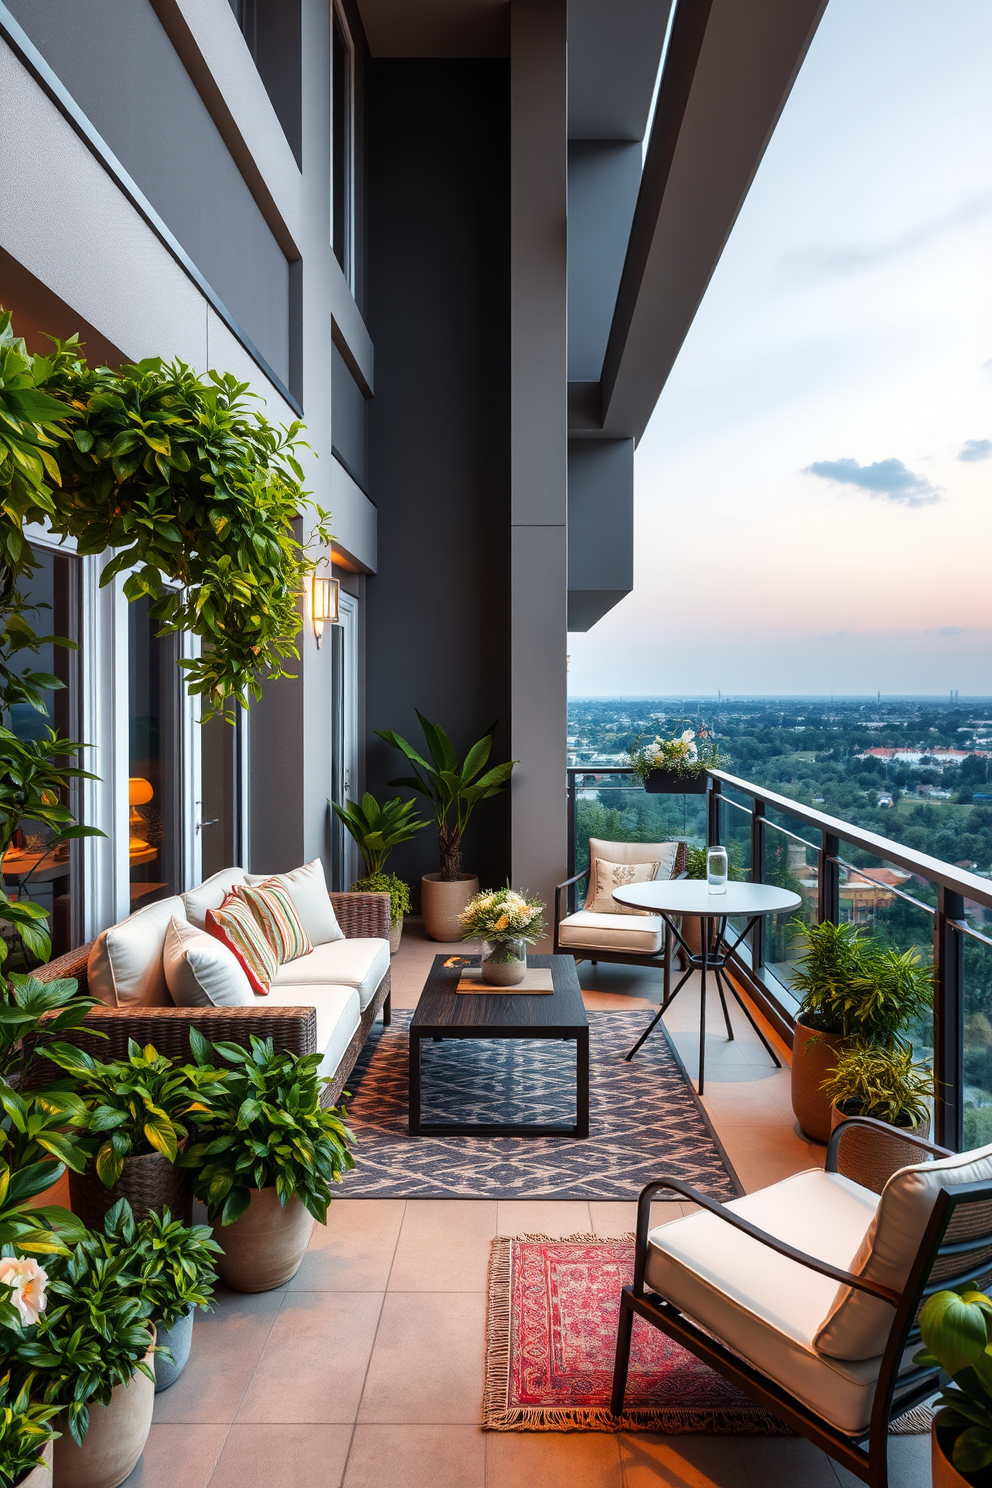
{"x": 200, "y": 971}
{"x": 307, "y": 888}
{"x": 610, "y": 876}
{"x": 125, "y": 965}
{"x": 211, "y": 894}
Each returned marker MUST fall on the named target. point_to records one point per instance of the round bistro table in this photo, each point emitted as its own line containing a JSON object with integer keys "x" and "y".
{"x": 672, "y": 898}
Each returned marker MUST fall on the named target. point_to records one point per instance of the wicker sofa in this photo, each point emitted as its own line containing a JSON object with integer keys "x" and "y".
{"x": 360, "y": 916}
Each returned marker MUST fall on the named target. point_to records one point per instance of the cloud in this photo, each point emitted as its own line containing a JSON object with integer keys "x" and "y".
{"x": 888, "y": 478}
{"x": 849, "y": 258}
{"x": 976, "y": 449}
{"x": 951, "y": 630}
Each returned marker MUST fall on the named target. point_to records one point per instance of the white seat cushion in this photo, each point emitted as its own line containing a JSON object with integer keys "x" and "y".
{"x": 338, "y": 1017}
{"x": 642, "y": 934}
{"x": 358, "y": 963}
{"x": 765, "y": 1306}
{"x": 125, "y": 968}
{"x": 211, "y": 894}
{"x": 856, "y": 1325}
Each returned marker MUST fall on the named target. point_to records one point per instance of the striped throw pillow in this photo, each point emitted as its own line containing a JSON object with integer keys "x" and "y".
{"x": 277, "y": 919}
{"x": 237, "y": 928}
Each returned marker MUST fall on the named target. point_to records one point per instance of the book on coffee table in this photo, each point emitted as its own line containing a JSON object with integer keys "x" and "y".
{"x": 536, "y": 979}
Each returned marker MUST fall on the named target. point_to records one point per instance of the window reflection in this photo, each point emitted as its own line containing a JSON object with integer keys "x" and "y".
{"x": 154, "y": 759}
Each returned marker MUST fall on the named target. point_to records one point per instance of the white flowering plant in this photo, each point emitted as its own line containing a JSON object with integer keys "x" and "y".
{"x": 502, "y": 914}
{"x": 687, "y": 753}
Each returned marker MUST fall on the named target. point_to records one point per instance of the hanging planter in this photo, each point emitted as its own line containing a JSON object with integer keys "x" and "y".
{"x": 666, "y": 782}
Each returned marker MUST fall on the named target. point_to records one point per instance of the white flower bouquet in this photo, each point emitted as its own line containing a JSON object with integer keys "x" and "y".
{"x": 685, "y": 754}
{"x": 502, "y": 914}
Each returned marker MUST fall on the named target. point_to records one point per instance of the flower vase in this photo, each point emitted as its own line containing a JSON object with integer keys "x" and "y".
{"x": 504, "y": 962}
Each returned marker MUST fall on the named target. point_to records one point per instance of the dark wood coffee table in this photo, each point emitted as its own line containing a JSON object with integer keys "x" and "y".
{"x": 443, "y": 1013}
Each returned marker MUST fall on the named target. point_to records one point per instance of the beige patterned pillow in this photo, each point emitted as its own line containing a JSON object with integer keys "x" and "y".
{"x": 610, "y": 876}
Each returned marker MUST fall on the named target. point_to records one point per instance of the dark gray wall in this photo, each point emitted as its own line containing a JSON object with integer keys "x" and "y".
{"x": 600, "y": 527}
{"x": 437, "y": 610}
{"x": 120, "y": 67}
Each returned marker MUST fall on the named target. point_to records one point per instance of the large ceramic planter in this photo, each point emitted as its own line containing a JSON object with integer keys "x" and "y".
{"x": 114, "y": 1442}
{"x": 40, "y": 1476}
{"x": 395, "y": 935}
{"x": 814, "y": 1056}
{"x": 675, "y": 783}
{"x": 869, "y": 1156}
{"x": 149, "y": 1182}
{"x": 178, "y": 1340}
{"x": 943, "y": 1473}
{"x": 263, "y": 1249}
{"x": 443, "y": 901}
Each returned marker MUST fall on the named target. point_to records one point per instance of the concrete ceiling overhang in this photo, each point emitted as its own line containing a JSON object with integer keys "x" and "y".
{"x": 614, "y": 51}
{"x": 728, "y": 72}
{"x": 437, "y": 28}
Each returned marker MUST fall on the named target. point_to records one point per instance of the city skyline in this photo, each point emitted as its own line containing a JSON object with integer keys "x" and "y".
{"x": 811, "y": 496}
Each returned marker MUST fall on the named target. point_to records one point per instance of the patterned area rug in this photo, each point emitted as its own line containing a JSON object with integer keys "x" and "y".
{"x": 550, "y": 1341}
{"x": 645, "y": 1119}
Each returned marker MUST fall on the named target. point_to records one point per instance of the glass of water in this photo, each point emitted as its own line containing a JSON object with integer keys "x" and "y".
{"x": 717, "y": 870}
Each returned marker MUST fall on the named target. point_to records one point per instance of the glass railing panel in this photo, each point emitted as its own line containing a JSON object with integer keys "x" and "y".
{"x": 976, "y": 1008}
{"x": 788, "y": 823}
{"x": 793, "y": 865}
{"x": 617, "y": 808}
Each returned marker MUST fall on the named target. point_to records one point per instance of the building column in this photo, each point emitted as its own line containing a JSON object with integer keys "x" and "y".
{"x": 539, "y": 440}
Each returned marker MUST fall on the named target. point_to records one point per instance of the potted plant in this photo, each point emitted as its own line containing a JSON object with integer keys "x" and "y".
{"x": 884, "y": 1082}
{"x": 453, "y": 789}
{"x": 263, "y": 1159}
{"x": 954, "y": 1330}
{"x": 849, "y": 988}
{"x": 378, "y": 829}
{"x": 26, "y": 1437}
{"x": 175, "y": 1267}
{"x": 135, "y": 1120}
{"x": 506, "y": 922}
{"x": 675, "y": 766}
{"x": 90, "y": 1354}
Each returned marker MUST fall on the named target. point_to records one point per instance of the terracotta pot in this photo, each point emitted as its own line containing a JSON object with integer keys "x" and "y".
{"x": 814, "y": 1055}
{"x": 442, "y": 903}
{"x": 871, "y": 1157}
{"x": 395, "y": 936}
{"x": 115, "y": 1440}
{"x": 263, "y": 1248}
{"x": 149, "y": 1182}
{"x": 40, "y": 1476}
{"x": 943, "y": 1473}
{"x": 178, "y": 1340}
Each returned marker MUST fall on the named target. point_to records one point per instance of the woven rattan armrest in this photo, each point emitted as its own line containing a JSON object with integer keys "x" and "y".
{"x": 362, "y": 916}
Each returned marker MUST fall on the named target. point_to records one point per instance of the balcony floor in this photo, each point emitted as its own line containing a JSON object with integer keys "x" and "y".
{"x": 367, "y": 1370}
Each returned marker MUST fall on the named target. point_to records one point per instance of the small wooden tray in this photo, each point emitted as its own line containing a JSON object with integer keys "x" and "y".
{"x": 536, "y": 979}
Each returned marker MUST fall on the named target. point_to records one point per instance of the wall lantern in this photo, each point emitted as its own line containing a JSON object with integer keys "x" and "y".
{"x": 325, "y": 594}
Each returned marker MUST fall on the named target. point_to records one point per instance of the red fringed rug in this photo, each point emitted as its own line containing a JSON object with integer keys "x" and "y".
{"x": 550, "y": 1341}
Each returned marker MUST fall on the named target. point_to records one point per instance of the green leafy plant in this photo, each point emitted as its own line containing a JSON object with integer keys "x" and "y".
{"x": 25, "y": 1431}
{"x": 881, "y": 1081}
{"x": 685, "y": 754}
{"x": 94, "y": 1333}
{"x": 378, "y": 828}
{"x": 173, "y": 1263}
{"x": 264, "y": 1127}
{"x": 40, "y": 1126}
{"x": 452, "y": 789}
{"x": 850, "y": 986}
{"x": 954, "y": 1326}
{"x": 33, "y": 1014}
{"x": 386, "y": 883}
{"x": 38, "y": 1230}
{"x": 133, "y": 1106}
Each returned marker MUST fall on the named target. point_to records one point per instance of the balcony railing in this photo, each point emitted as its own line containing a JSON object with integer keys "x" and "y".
{"x": 842, "y": 872}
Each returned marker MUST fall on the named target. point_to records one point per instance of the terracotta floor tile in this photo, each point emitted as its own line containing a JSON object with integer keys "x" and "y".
{"x": 281, "y": 1457}
{"x": 227, "y": 1344}
{"x": 544, "y": 1217}
{"x": 314, "y": 1363}
{"x": 619, "y": 1217}
{"x": 427, "y": 1364}
{"x": 178, "y": 1454}
{"x": 417, "y": 1457}
{"x": 770, "y": 1461}
{"x": 444, "y": 1245}
{"x": 546, "y": 1459}
{"x": 354, "y": 1251}
{"x": 683, "y": 1461}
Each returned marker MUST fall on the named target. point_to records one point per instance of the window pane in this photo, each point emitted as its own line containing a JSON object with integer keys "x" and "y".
{"x": 220, "y": 791}
{"x": 153, "y": 679}
{"x": 340, "y": 141}
{"x": 977, "y": 1010}
{"x": 789, "y": 865}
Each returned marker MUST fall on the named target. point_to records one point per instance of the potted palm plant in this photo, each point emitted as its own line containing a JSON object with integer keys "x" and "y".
{"x": 884, "y": 1082}
{"x": 452, "y": 789}
{"x": 849, "y": 989}
{"x": 954, "y": 1327}
{"x": 26, "y": 1437}
{"x": 264, "y": 1157}
{"x": 135, "y": 1120}
{"x": 377, "y": 829}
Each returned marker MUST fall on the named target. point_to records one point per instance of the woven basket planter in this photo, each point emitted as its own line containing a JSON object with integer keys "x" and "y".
{"x": 149, "y": 1182}
{"x": 869, "y": 1156}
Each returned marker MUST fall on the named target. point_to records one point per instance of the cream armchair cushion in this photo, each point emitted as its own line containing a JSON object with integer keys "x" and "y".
{"x": 641, "y": 935}
{"x": 663, "y": 853}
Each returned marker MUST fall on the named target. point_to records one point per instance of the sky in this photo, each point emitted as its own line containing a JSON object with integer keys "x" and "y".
{"x": 812, "y": 495}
